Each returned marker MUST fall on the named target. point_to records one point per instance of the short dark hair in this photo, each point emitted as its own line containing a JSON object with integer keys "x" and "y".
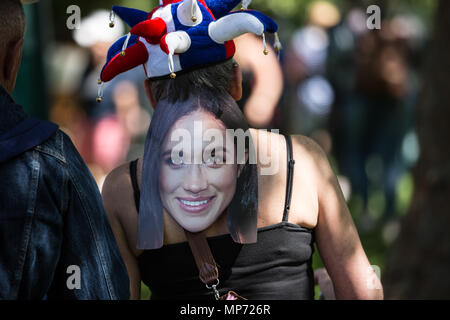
{"x": 12, "y": 23}
{"x": 242, "y": 211}
{"x": 216, "y": 78}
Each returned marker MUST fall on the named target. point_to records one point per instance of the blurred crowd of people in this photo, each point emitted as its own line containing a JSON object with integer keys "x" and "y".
{"x": 351, "y": 89}
{"x": 111, "y": 132}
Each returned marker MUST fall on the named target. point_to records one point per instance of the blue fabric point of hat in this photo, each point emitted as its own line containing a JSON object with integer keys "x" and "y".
{"x": 221, "y": 8}
{"x": 131, "y": 16}
{"x": 203, "y": 50}
{"x": 118, "y": 45}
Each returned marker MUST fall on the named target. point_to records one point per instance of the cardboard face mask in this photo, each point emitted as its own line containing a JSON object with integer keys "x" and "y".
{"x": 196, "y": 185}
{"x": 194, "y": 169}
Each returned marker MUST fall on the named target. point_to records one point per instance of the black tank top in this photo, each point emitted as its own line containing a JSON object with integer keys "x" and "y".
{"x": 277, "y": 267}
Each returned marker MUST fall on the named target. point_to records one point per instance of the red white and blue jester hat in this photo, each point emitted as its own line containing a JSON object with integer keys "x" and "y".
{"x": 182, "y": 35}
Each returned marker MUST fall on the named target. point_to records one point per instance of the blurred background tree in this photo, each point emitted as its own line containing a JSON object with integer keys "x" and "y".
{"x": 419, "y": 264}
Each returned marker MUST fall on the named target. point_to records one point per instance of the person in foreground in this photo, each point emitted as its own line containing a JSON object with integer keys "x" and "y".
{"x": 55, "y": 240}
{"x": 260, "y": 226}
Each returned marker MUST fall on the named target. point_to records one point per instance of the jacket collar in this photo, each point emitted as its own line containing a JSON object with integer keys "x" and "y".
{"x": 5, "y": 95}
{"x": 18, "y": 132}
{"x": 10, "y": 113}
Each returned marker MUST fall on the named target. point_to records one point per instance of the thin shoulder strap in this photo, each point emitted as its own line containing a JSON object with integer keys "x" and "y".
{"x": 289, "y": 177}
{"x": 136, "y": 191}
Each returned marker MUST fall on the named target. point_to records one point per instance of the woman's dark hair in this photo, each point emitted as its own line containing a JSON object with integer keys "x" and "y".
{"x": 242, "y": 211}
{"x": 217, "y": 77}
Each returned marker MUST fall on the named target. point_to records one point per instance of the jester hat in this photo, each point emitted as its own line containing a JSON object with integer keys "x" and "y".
{"x": 182, "y": 35}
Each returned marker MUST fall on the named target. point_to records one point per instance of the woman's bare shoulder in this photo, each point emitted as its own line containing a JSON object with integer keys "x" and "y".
{"x": 117, "y": 189}
{"x": 304, "y": 149}
{"x": 307, "y": 178}
{"x": 118, "y": 200}
{"x": 308, "y": 148}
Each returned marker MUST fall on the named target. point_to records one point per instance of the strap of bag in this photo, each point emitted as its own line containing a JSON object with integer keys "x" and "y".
{"x": 204, "y": 259}
{"x": 207, "y": 266}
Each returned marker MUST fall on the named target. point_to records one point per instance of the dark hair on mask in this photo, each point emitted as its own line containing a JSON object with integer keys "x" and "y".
{"x": 216, "y": 78}
{"x": 241, "y": 212}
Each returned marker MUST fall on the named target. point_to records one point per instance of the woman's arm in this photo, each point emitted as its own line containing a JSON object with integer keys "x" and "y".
{"x": 266, "y": 92}
{"x": 113, "y": 202}
{"x": 338, "y": 240}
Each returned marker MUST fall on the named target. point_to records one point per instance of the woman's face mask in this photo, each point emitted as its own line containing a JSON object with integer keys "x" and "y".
{"x": 196, "y": 184}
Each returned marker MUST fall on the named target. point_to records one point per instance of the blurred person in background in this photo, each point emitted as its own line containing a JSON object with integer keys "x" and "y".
{"x": 55, "y": 239}
{"x": 261, "y": 87}
{"x": 308, "y": 95}
{"x": 375, "y": 93}
{"x": 117, "y": 126}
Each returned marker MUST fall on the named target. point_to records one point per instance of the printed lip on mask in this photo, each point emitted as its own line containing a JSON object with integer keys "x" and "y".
{"x": 195, "y": 205}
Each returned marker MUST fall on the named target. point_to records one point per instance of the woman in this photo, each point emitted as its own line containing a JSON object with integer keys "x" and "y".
{"x": 278, "y": 265}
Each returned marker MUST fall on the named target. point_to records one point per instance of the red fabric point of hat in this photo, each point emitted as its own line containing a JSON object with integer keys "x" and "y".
{"x": 150, "y": 15}
{"x": 166, "y": 2}
{"x": 163, "y": 44}
{"x": 231, "y": 48}
{"x": 135, "y": 55}
{"x": 152, "y": 30}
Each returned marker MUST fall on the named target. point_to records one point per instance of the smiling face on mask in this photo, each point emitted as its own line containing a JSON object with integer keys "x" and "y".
{"x": 197, "y": 186}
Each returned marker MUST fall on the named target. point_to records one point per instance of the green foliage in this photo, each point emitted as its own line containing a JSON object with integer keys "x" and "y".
{"x": 405, "y": 189}
{"x": 316, "y": 264}
{"x": 145, "y": 5}
{"x": 145, "y": 292}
